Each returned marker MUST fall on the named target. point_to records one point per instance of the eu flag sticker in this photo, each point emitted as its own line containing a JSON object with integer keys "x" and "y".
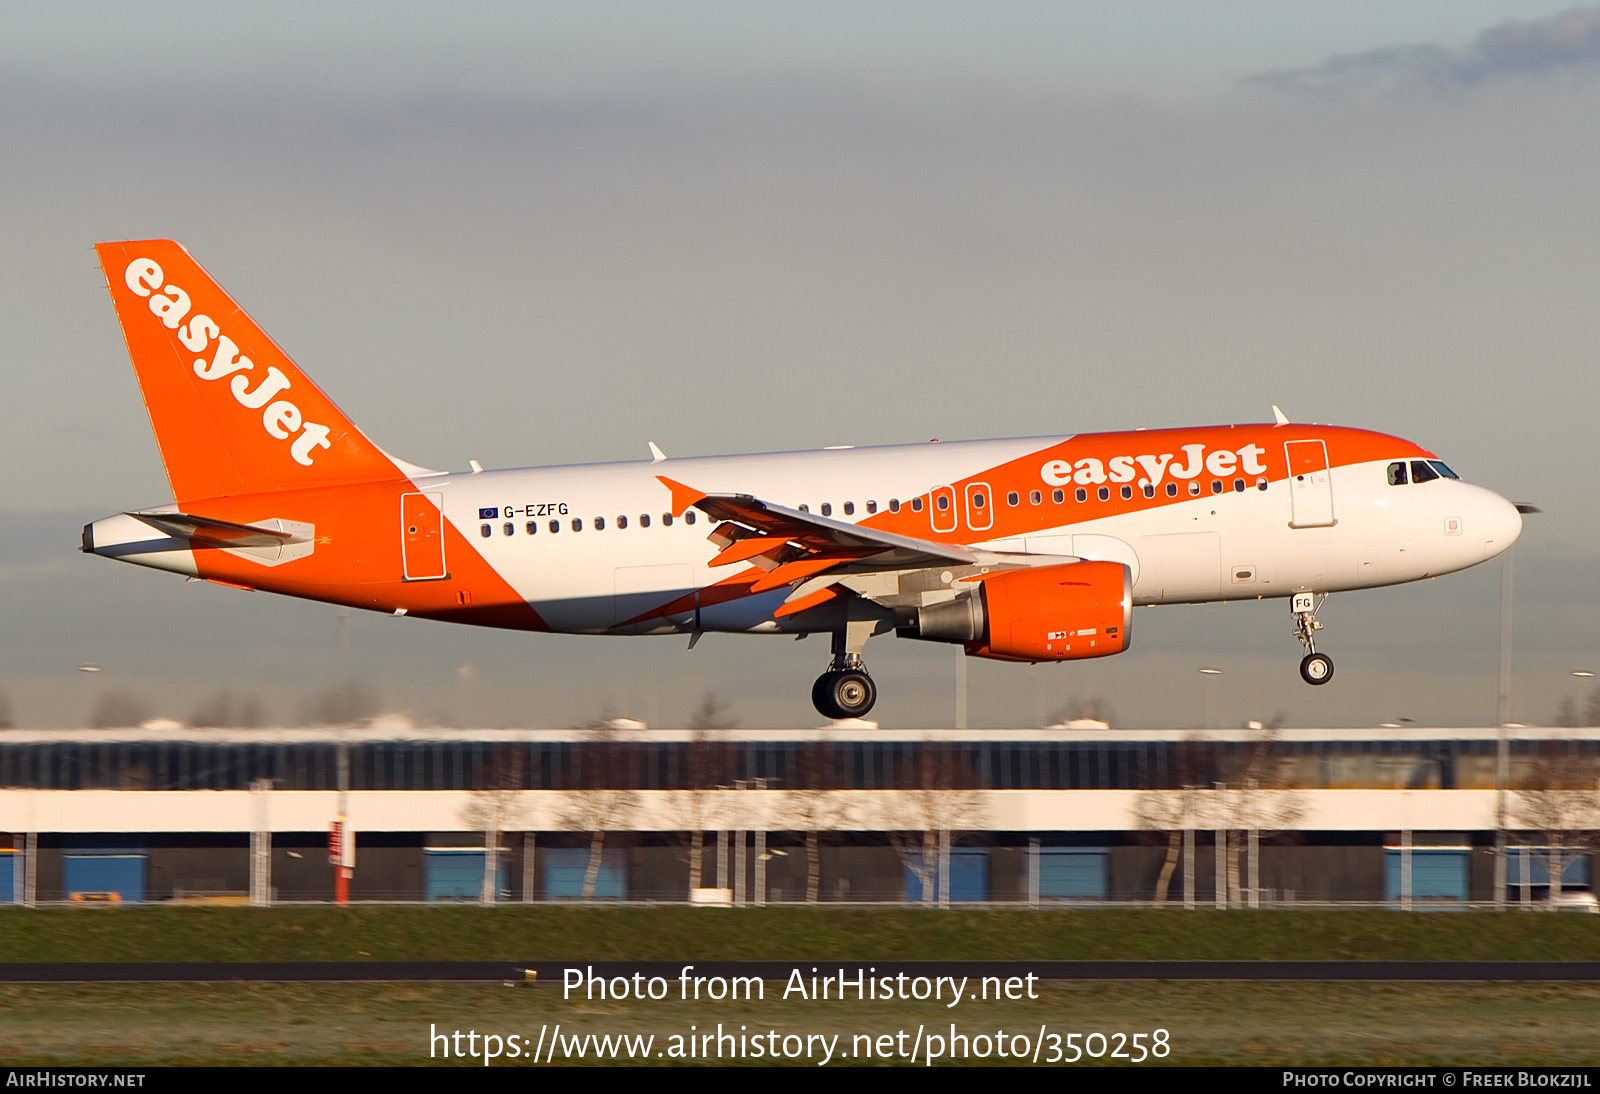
{"x": 489, "y": 514}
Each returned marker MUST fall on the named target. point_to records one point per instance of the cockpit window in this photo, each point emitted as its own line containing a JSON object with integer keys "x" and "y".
{"x": 1397, "y": 473}
{"x": 1421, "y": 472}
{"x": 1439, "y": 466}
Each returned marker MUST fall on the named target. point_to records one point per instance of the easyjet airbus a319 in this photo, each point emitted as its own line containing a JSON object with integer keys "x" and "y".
{"x": 1020, "y": 550}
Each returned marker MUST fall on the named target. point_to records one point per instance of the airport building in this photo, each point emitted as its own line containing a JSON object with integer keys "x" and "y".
{"x": 1411, "y": 817}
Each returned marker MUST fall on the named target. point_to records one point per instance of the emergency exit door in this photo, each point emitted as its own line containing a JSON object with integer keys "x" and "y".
{"x": 1310, "y": 487}
{"x": 422, "y": 536}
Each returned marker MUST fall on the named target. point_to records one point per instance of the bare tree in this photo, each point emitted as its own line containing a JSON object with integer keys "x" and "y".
{"x": 603, "y": 800}
{"x": 933, "y": 800}
{"x": 339, "y": 705}
{"x": 1259, "y": 798}
{"x": 1173, "y": 810}
{"x": 496, "y": 807}
{"x": 115, "y": 709}
{"x": 226, "y": 710}
{"x": 1559, "y": 798}
{"x": 697, "y": 808}
{"x": 814, "y": 804}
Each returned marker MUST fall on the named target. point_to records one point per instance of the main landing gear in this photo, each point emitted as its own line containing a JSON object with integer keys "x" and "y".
{"x": 1315, "y": 668}
{"x": 845, "y": 690}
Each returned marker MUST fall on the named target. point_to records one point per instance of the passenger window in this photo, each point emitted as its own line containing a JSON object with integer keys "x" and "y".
{"x": 1216, "y": 486}
{"x": 849, "y": 508}
{"x": 1104, "y": 493}
{"x": 894, "y": 505}
{"x": 510, "y": 529}
{"x": 666, "y": 520}
{"x": 555, "y": 526}
{"x": 1149, "y": 490}
{"x": 622, "y": 522}
{"x": 486, "y": 531}
{"x": 599, "y": 524}
{"x": 1011, "y": 498}
{"x": 804, "y": 508}
{"x": 943, "y": 502}
{"x": 1172, "y": 489}
{"x": 1081, "y": 494}
{"x": 1421, "y": 472}
{"x": 1238, "y": 486}
{"x": 1058, "y": 496}
{"x": 1127, "y": 492}
{"x": 1397, "y": 473}
{"x": 978, "y": 500}
{"x": 644, "y": 520}
{"x": 1035, "y": 498}
{"x": 827, "y": 509}
{"x": 872, "y": 507}
{"x": 688, "y": 518}
{"x": 1194, "y": 489}
{"x": 577, "y": 524}
{"x": 916, "y": 505}
{"x": 1261, "y": 483}
{"x": 533, "y": 527}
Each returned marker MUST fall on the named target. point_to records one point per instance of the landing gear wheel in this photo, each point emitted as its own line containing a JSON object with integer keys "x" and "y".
{"x": 844, "y": 693}
{"x": 1316, "y": 668}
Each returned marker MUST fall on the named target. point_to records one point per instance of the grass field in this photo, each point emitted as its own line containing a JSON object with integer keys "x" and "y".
{"x": 1233, "y": 1023}
{"x": 1216, "y": 1023}
{"x": 793, "y": 933}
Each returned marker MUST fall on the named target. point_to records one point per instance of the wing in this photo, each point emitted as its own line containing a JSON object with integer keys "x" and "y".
{"x": 818, "y": 555}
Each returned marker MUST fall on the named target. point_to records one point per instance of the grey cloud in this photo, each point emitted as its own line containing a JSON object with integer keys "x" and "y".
{"x": 1567, "y": 41}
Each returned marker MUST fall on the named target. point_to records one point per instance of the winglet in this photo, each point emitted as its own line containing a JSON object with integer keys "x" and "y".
{"x": 1278, "y": 417}
{"x": 682, "y": 496}
{"x": 656, "y": 455}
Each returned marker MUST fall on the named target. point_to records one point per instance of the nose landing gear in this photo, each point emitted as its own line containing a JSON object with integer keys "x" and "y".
{"x": 1315, "y": 668}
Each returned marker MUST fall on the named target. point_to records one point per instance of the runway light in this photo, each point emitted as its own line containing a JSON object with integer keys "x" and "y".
{"x": 88, "y": 668}
{"x": 1211, "y": 672}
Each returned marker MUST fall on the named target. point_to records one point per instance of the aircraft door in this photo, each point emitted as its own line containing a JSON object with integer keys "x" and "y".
{"x": 1310, "y": 486}
{"x": 980, "y": 507}
{"x": 422, "y": 537}
{"x": 943, "y": 514}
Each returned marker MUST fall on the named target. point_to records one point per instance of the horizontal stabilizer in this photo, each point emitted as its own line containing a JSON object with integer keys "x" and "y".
{"x": 206, "y": 532}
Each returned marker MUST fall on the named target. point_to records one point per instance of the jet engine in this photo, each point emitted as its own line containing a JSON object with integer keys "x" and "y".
{"x": 1046, "y": 613}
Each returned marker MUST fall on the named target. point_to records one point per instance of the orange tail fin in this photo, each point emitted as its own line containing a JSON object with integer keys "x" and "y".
{"x": 231, "y": 413}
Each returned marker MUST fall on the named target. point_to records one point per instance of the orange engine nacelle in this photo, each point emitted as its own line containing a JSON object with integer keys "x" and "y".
{"x": 1056, "y": 613}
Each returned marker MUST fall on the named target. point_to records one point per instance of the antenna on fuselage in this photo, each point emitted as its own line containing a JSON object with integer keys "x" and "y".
{"x": 1278, "y": 417}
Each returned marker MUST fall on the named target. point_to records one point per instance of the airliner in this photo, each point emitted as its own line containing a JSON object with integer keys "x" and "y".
{"x": 1032, "y": 550}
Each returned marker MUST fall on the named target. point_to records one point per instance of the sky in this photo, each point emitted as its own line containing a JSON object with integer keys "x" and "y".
{"x": 533, "y": 234}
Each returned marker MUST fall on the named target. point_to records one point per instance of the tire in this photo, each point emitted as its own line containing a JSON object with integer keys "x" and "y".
{"x": 842, "y": 694}
{"x": 1316, "y": 668}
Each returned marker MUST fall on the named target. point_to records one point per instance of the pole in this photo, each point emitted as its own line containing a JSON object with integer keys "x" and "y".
{"x": 1188, "y": 868}
{"x": 529, "y": 880}
{"x": 1221, "y": 856}
{"x": 1503, "y": 705}
{"x": 260, "y": 845}
{"x": 1033, "y": 872}
{"x": 345, "y": 869}
{"x": 961, "y": 687}
{"x": 1405, "y": 869}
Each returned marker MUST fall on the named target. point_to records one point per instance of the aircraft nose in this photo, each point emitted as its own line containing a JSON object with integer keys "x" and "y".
{"x": 1501, "y": 523}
